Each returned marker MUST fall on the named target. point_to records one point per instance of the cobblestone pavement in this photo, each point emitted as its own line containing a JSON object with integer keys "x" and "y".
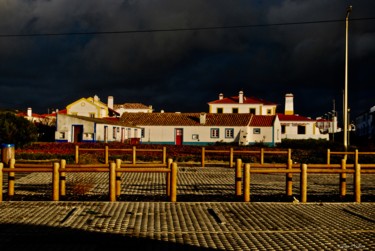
{"x": 207, "y": 215}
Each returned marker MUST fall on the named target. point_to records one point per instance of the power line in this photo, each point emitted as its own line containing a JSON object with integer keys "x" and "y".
{"x": 178, "y": 29}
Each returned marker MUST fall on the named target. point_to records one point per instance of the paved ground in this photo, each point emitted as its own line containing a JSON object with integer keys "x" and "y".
{"x": 207, "y": 215}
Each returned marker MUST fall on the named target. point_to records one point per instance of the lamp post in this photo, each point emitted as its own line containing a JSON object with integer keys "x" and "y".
{"x": 348, "y": 11}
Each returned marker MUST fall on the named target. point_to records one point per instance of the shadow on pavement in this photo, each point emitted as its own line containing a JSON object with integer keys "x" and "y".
{"x": 42, "y": 238}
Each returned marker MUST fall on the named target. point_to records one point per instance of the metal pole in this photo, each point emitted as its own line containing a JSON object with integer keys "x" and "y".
{"x": 349, "y": 9}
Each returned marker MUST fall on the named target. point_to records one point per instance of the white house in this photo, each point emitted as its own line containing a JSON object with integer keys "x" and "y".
{"x": 204, "y": 128}
{"x": 90, "y": 107}
{"x": 70, "y": 128}
{"x": 132, "y": 107}
{"x": 94, "y": 108}
{"x": 294, "y": 126}
{"x": 242, "y": 104}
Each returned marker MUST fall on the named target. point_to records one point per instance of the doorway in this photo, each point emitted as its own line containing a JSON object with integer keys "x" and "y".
{"x": 179, "y": 136}
{"x": 77, "y": 133}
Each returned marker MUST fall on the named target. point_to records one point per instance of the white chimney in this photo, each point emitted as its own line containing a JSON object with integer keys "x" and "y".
{"x": 29, "y": 112}
{"x": 202, "y": 118}
{"x": 96, "y": 98}
{"x": 240, "y": 97}
{"x": 221, "y": 96}
{"x": 110, "y": 102}
{"x": 289, "y": 107}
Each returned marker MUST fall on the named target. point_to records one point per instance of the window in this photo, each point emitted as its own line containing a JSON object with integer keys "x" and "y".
{"x": 283, "y": 129}
{"x": 301, "y": 129}
{"x": 229, "y": 133}
{"x": 195, "y": 137}
{"x": 252, "y": 111}
{"x": 62, "y": 135}
{"x": 234, "y": 110}
{"x": 215, "y": 133}
{"x": 219, "y": 110}
{"x": 92, "y": 115}
{"x": 114, "y": 132}
{"x": 142, "y": 133}
{"x": 269, "y": 112}
{"x": 256, "y": 131}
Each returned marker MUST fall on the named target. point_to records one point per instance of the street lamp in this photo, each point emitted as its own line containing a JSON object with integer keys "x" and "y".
{"x": 348, "y": 11}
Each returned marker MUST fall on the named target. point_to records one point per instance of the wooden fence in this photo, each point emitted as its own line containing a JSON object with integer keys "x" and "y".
{"x": 356, "y": 154}
{"x": 133, "y": 150}
{"x": 60, "y": 169}
{"x": 231, "y": 153}
{"x": 303, "y": 169}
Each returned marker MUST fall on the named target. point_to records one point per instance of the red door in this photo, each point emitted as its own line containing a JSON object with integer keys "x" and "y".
{"x": 179, "y": 135}
{"x": 77, "y": 133}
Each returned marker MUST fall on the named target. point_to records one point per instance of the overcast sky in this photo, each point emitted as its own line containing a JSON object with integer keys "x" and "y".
{"x": 269, "y": 51}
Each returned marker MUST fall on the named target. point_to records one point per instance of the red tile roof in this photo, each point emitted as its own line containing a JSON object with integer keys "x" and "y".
{"x": 246, "y": 100}
{"x": 185, "y": 119}
{"x": 262, "y": 120}
{"x": 130, "y": 106}
{"x": 284, "y": 117}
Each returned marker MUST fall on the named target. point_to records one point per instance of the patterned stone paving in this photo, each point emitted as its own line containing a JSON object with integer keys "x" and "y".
{"x": 207, "y": 215}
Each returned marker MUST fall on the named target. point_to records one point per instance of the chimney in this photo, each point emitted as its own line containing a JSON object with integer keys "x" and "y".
{"x": 96, "y": 98}
{"x": 202, "y": 118}
{"x": 240, "y": 97}
{"x": 221, "y": 96}
{"x": 289, "y": 110}
{"x": 29, "y": 112}
{"x": 110, "y": 102}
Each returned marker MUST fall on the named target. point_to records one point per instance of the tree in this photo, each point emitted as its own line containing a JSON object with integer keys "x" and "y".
{"x": 16, "y": 130}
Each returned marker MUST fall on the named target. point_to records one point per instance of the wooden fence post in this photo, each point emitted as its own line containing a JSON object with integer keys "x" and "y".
{"x": 1, "y": 181}
{"x": 174, "y": 182}
{"x": 106, "y": 154}
{"x": 11, "y": 178}
{"x": 356, "y": 157}
{"x": 262, "y": 156}
{"x": 168, "y": 177}
{"x": 289, "y": 179}
{"x": 303, "y": 185}
{"x": 328, "y": 156}
{"x": 55, "y": 181}
{"x": 289, "y": 154}
{"x": 231, "y": 164}
{"x": 203, "y": 156}
{"x": 118, "y": 177}
{"x": 238, "y": 178}
{"x": 112, "y": 182}
{"x": 246, "y": 183}
{"x": 357, "y": 184}
{"x": 77, "y": 154}
{"x": 164, "y": 155}
{"x": 134, "y": 155}
{"x": 343, "y": 178}
{"x": 62, "y": 178}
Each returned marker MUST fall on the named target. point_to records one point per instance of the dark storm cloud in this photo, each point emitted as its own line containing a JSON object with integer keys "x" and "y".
{"x": 182, "y": 70}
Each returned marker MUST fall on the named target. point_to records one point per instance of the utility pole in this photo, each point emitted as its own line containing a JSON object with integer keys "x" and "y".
{"x": 348, "y": 11}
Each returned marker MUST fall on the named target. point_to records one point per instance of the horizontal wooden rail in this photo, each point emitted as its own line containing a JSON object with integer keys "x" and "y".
{"x": 303, "y": 171}
{"x": 134, "y": 151}
{"x": 232, "y": 152}
{"x": 356, "y": 154}
{"x": 59, "y": 171}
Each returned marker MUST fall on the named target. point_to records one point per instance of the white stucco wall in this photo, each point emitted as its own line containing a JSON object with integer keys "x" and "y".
{"x": 244, "y": 108}
{"x": 311, "y": 131}
{"x": 191, "y": 134}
